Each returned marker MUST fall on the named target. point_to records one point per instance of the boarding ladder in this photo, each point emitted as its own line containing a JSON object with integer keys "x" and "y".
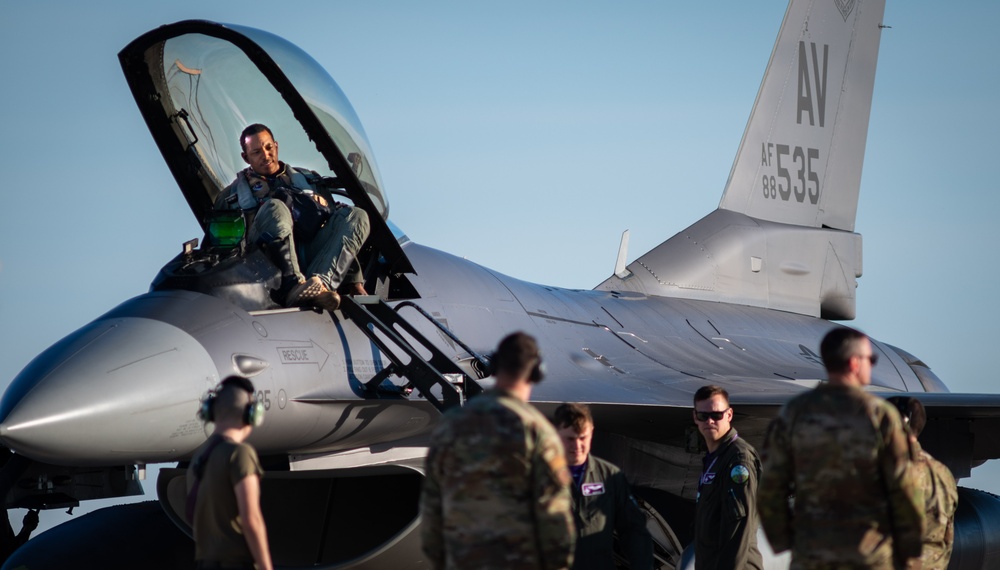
{"x": 383, "y": 324}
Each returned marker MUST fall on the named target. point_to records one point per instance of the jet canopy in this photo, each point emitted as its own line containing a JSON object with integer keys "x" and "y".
{"x": 199, "y": 84}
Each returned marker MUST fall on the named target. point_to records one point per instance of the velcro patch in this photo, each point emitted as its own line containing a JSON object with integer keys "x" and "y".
{"x": 589, "y": 489}
{"x": 739, "y": 474}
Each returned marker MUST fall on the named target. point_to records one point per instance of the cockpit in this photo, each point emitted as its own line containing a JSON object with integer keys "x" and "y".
{"x": 198, "y": 84}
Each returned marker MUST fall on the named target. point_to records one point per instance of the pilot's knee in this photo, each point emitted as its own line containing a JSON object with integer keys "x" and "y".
{"x": 274, "y": 209}
{"x": 359, "y": 219}
{"x": 274, "y": 218}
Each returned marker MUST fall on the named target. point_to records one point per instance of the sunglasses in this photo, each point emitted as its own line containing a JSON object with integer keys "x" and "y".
{"x": 873, "y": 358}
{"x": 717, "y": 416}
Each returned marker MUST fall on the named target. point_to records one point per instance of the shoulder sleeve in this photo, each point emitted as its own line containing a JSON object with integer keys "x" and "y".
{"x": 900, "y": 482}
{"x": 550, "y": 482}
{"x": 776, "y": 484}
{"x": 243, "y": 462}
{"x": 220, "y": 200}
{"x": 432, "y": 518}
{"x": 739, "y": 515}
{"x": 630, "y": 523}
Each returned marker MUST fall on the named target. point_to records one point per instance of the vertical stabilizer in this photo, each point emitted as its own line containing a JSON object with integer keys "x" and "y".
{"x": 801, "y": 155}
{"x": 783, "y": 236}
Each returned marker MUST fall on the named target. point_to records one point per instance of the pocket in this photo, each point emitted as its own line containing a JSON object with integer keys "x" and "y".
{"x": 734, "y": 507}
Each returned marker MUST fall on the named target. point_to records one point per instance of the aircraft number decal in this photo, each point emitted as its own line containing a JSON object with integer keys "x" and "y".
{"x": 791, "y": 170}
{"x": 265, "y": 397}
{"x": 784, "y": 161}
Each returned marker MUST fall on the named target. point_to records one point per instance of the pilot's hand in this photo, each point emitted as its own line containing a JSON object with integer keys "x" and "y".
{"x": 319, "y": 200}
{"x": 30, "y": 522}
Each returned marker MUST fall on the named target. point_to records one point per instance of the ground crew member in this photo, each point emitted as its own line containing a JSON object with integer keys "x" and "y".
{"x": 602, "y": 500}
{"x": 496, "y": 492}
{"x": 224, "y": 483}
{"x": 937, "y": 486}
{"x": 725, "y": 521}
{"x": 842, "y": 457}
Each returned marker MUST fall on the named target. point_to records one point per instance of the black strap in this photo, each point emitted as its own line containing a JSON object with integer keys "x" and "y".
{"x": 199, "y": 465}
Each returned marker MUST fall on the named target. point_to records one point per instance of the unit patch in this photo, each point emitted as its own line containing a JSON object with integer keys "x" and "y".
{"x": 589, "y": 489}
{"x": 739, "y": 474}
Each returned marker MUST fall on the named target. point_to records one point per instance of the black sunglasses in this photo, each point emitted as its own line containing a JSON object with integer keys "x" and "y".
{"x": 717, "y": 416}
{"x": 873, "y": 358}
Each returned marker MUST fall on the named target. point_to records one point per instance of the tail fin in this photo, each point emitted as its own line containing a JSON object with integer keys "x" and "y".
{"x": 782, "y": 237}
{"x": 801, "y": 155}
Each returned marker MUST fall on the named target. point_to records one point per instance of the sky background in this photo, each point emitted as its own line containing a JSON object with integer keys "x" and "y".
{"x": 525, "y": 136}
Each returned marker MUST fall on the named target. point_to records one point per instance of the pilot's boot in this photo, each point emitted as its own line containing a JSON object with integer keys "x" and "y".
{"x": 292, "y": 286}
{"x": 343, "y": 266}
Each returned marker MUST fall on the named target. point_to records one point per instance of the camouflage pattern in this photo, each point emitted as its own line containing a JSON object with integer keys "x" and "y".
{"x": 496, "y": 492}
{"x": 838, "y": 486}
{"x": 940, "y": 494}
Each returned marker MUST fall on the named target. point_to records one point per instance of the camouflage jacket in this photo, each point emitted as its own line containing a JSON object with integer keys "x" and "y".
{"x": 940, "y": 493}
{"x": 838, "y": 486}
{"x": 496, "y": 492}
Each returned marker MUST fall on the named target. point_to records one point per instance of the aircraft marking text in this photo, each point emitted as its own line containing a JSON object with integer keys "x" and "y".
{"x": 265, "y": 397}
{"x": 312, "y": 354}
{"x": 806, "y": 102}
{"x": 801, "y": 163}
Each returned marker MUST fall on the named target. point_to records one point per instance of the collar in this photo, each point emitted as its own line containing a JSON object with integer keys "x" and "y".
{"x": 282, "y": 169}
{"x": 726, "y": 440}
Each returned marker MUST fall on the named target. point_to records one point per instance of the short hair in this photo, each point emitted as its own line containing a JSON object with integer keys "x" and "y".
{"x": 838, "y": 346}
{"x": 231, "y": 398}
{"x": 576, "y": 416}
{"x": 252, "y": 130}
{"x": 912, "y": 412}
{"x": 710, "y": 391}
{"x": 517, "y": 354}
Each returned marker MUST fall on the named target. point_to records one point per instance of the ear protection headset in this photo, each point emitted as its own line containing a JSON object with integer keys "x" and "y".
{"x": 536, "y": 375}
{"x": 253, "y": 412}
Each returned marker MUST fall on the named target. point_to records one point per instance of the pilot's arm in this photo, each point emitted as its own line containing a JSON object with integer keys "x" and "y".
{"x": 738, "y": 520}
{"x": 630, "y": 523}
{"x": 775, "y": 487}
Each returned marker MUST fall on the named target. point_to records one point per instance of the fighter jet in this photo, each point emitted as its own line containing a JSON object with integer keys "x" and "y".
{"x": 740, "y": 298}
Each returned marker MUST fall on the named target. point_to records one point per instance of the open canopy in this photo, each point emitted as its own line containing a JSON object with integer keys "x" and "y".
{"x": 198, "y": 84}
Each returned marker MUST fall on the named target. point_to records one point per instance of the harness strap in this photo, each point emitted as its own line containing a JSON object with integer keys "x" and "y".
{"x": 199, "y": 465}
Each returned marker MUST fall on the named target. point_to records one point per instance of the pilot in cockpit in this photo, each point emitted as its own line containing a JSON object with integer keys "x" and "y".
{"x": 286, "y": 209}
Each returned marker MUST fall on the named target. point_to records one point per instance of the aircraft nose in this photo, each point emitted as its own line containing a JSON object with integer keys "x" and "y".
{"x": 118, "y": 391}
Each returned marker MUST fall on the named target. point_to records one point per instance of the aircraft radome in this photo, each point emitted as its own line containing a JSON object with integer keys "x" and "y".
{"x": 740, "y": 299}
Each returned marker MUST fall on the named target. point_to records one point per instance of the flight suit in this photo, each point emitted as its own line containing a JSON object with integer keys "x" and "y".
{"x": 331, "y": 254}
{"x": 725, "y": 522}
{"x": 603, "y": 504}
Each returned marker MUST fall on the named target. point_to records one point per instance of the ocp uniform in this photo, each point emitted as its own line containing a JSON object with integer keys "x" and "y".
{"x": 725, "y": 524}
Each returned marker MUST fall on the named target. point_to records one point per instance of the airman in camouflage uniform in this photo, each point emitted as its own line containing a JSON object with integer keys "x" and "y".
{"x": 496, "y": 492}
{"x": 837, "y": 486}
{"x": 938, "y": 487}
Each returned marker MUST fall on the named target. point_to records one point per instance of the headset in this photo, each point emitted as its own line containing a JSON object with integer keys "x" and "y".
{"x": 536, "y": 375}
{"x": 253, "y": 412}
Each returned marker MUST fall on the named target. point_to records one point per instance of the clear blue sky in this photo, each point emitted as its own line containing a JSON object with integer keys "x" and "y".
{"x": 525, "y": 136}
